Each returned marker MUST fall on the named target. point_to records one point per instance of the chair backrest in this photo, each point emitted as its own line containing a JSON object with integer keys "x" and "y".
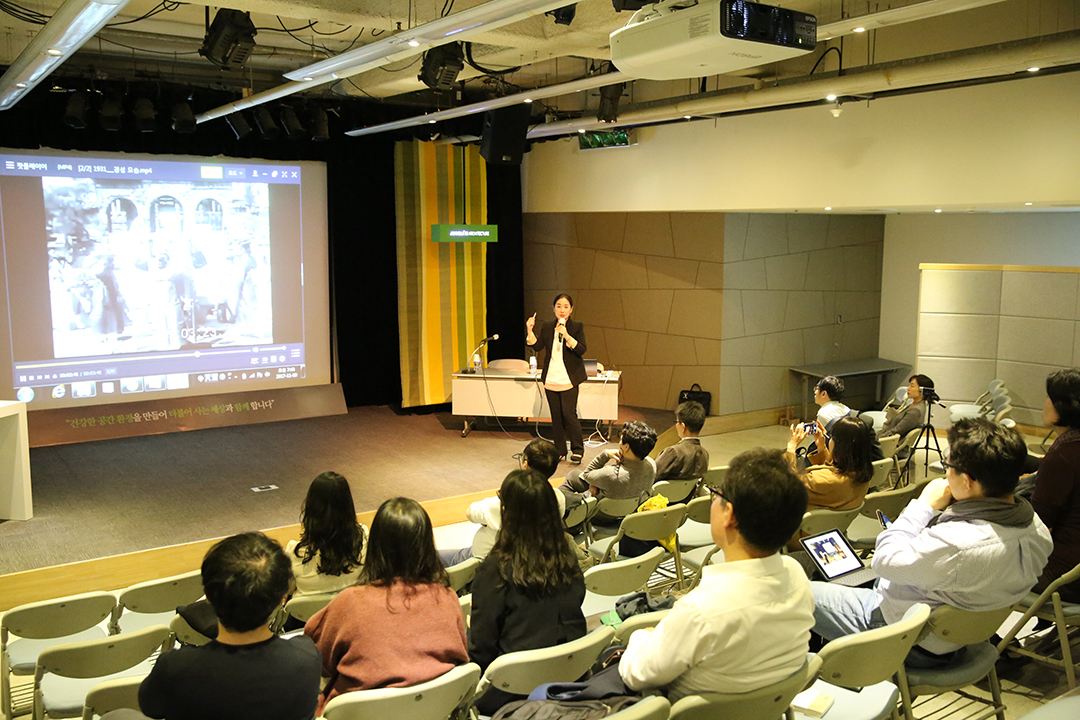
{"x": 520, "y": 672}
{"x": 1001, "y": 414}
{"x": 872, "y": 656}
{"x": 511, "y": 364}
{"x": 638, "y": 622}
{"x": 890, "y": 502}
{"x": 60, "y": 617}
{"x": 655, "y": 707}
{"x": 964, "y": 627}
{"x": 579, "y": 513}
{"x": 767, "y": 702}
{"x": 675, "y": 489}
{"x": 821, "y": 519}
{"x": 882, "y": 468}
{"x": 615, "y": 507}
{"x": 466, "y": 608}
{"x": 186, "y": 634}
{"x": 888, "y": 445}
{"x": 699, "y": 509}
{"x": 104, "y": 656}
{"x": 433, "y": 700}
{"x": 653, "y": 524}
{"x": 302, "y": 607}
{"x": 158, "y": 596}
{"x": 462, "y": 573}
{"x": 909, "y": 439}
{"x": 623, "y": 576}
{"x": 714, "y": 476}
{"x": 115, "y": 694}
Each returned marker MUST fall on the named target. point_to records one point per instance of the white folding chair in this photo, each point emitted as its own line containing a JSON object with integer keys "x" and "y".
{"x": 604, "y": 583}
{"x": 765, "y": 703}
{"x": 645, "y": 525}
{"x": 462, "y": 573}
{"x": 109, "y": 695}
{"x": 436, "y": 699}
{"x": 154, "y": 602}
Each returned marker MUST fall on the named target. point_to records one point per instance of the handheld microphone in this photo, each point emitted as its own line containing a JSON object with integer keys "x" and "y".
{"x": 489, "y": 339}
{"x": 558, "y": 337}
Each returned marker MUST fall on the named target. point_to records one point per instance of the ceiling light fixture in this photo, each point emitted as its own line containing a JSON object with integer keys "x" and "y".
{"x": 441, "y": 66}
{"x": 937, "y": 210}
{"x": 527, "y": 100}
{"x": 608, "y": 112}
{"x": 1033, "y": 69}
{"x": 830, "y": 98}
{"x": 829, "y": 208}
{"x": 836, "y": 110}
{"x": 859, "y": 30}
{"x": 563, "y": 15}
{"x": 230, "y": 39}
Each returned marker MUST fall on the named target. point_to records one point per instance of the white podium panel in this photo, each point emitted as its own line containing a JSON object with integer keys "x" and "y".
{"x": 15, "y": 498}
{"x": 501, "y": 393}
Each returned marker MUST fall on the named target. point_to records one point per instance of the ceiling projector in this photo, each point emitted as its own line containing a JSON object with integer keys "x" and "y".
{"x": 694, "y": 38}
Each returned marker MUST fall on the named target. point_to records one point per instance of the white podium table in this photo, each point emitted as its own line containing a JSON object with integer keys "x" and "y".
{"x": 502, "y": 393}
{"x": 15, "y": 498}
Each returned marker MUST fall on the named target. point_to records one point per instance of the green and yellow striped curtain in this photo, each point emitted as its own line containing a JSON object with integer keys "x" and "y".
{"x": 442, "y": 294}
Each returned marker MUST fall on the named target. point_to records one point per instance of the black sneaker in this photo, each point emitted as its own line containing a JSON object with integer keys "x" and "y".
{"x": 575, "y": 458}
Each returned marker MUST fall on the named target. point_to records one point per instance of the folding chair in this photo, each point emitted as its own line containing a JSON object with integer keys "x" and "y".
{"x": 766, "y": 703}
{"x": 676, "y": 491}
{"x": 645, "y": 525}
{"x": 154, "y": 602}
{"x": 604, "y": 583}
{"x": 436, "y": 699}
{"x": 821, "y": 519}
{"x": 863, "y": 531}
{"x": 462, "y": 573}
{"x": 608, "y": 507}
{"x": 110, "y": 695}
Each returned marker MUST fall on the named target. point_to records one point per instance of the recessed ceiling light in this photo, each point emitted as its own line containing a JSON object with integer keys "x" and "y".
{"x": 829, "y": 208}
{"x": 308, "y": 78}
{"x": 686, "y": 117}
{"x": 1033, "y": 69}
{"x": 20, "y": 85}
{"x": 859, "y": 29}
{"x": 528, "y": 100}
{"x": 1029, "y": 203}
{"x": 55, "y": 52}
{"x": 830, "y": 98}
{"x": 414, "y": 43}
{"x": 582, "y": 130}
{"x": 938, "y": 210}
{"x": 431, "y": 122}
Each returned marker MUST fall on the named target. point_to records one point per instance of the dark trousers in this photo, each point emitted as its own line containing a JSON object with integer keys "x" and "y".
{"x": 564, "y": 420}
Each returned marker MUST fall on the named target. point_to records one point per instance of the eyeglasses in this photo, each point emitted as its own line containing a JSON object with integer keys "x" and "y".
{"x": 946, "y": 464}
{"x": 714, "y": 492}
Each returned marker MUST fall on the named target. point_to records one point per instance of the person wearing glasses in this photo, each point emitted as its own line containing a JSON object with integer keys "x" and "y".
{"x": 967, "y": 542}
{"x": 747, "y": 625}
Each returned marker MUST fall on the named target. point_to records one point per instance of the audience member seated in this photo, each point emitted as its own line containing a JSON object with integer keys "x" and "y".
{"x": 840, "y": 474}
{"x": 330, "y": 553}
{"x": 686, "y": 459}
{"x": 747, "y": 625}
{"x": 623, "y": 473}
{"x": 1057, "y": 484}
{"x": 828, "y": 393}
{"x": 909, "y": 417}
{"x": 539, "y": 455}
{"x": 247, "y": 671}
{"x": 528, "y": 592}
{"x": 402, "y": 624}
{"x": 983, "y": 551}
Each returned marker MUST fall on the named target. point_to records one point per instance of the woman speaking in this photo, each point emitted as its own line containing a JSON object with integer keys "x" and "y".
{"x": 563, "y": 341}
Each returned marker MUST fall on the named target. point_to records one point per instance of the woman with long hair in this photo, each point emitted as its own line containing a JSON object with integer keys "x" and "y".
{"x": 401, "y": 624}
{"x": 332, "y": 544}
{"x": 528, "y": 591}
{"x": 840, "y": 473}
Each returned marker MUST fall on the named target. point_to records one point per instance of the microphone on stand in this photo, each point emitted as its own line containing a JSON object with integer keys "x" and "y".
{"x": 486, "y": 340}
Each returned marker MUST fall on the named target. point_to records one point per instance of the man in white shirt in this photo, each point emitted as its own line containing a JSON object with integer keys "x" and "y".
{"x": 747, "y": 625}
{"x": 827, "y": 393}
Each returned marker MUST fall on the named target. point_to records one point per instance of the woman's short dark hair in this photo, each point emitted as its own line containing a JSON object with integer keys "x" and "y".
{"x": 559, "y": 297}
{"x": 531, "y": 548}
{"x": 831, "y": 386}
{"x": 989, "y": 453}
{"x": 245, "y": 578}
{"x": 924, "y": 381}
{"x": 1063, "y": 389}
{"x": 401, "y": 547}
{"x": 852, "y": 446}
{"x": 328, "y": 526}
{"x": 768, "y": 497}
{"x": 640, "y": 437}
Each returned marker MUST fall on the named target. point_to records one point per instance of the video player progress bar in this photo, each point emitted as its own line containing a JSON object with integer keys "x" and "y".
{"x": 194, "y": 354}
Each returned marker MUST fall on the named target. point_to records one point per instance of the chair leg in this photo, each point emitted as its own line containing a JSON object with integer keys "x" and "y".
{"x": 1063, "y": 639}
{"x": 905, "y": 693}
{"x": 995, "y": 693}
{"x": 678, "y": 566}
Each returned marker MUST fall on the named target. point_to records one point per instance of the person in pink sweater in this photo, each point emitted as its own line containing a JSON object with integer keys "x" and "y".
{"x": 401, "y": 624}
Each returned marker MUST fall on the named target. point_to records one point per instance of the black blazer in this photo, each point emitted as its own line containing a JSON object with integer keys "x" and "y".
{"x": 572, "y": 358}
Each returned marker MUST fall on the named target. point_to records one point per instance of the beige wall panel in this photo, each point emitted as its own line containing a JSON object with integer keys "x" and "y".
{"x": 745, "y": 275}
{"x": 804, "y": 309}
{"x": 1036, "y": 340}
{"x": 807, "y": 232}
{"x": 619, "y": 270}
{"x": 785, "y": 349}
{"x": 644, "y": 386}
{"x": 1041, "y": 295}
{"x": 549, "y": 228}
{"x": 539, "y": 263}
{"x": 708, "y": 351}
{"x": 647, "y": 310}
{"x": 1026, "y": 382}
{"x": 574, "y": 266}
{"x": 958, "y": 380}
{"x": 539, "y": 302}
{"x": 596, "y": 342}
{"x": 733, "y": 325}
{"x": 595, "y": 308}
{"x": 729, "y": 400}
{"x": 828, "y": 307}
{"x": 825, "y": 270}
{"x": 971, "y": 336}
{"x": 854, "y": 305}
{"x": 822, "y": 344}
{"x": 749, "y": 350}
{"x": 735, "y": 227}
{"x": 764, "y": 387}
{"x": 859, "y": 339}
{"x": 626, "y": 347}
{"x": 670, "y": 350}
{"x": 861, "y": 263}
{"x": 786, "y": 272}
{"x": 763, "y": 311}
{"x": 697, "y": 313}
{"x": 1076, "y": 347}
{"x": 975, "y": 292}
{"x": 698, "y": 236}
{"x": 600, "y": 231}
{"x": 710, "y": 275}
{"x": 682, "y": 377}
{"x": 766, "y": 235}
{"x": 854, "y": 229}
{"x": 671, "y": 272}
{"x": 649, "y": 234}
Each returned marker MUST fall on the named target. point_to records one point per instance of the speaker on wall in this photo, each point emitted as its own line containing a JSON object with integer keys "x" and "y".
{"x": 503, "y": 139}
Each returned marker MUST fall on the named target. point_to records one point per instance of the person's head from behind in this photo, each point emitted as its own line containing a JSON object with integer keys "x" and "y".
{"x": 329, "y": 527}
{"x": 985, "y": 459}
{"x": 851, "y": 444}
{"x": 918, "y": 385}
{"x": 691, "y": 415}
{"x": 531, "y": 546}
{"x": 540, "y": 455}
{"x": 1062, "y": 406}
{"x": 401, "y": 547}
{"x": 761, "y": 499}
{"x": 828, "y": 388}
{"x": 246, "y": 578}
{"x": 639, "y": 438}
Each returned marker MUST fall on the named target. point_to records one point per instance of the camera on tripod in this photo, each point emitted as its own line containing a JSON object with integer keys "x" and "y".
{"x": 930, "y": 395}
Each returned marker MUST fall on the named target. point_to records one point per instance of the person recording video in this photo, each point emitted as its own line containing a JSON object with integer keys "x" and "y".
{"x": 911, "y": 416}
{"x": 563, "y": 343}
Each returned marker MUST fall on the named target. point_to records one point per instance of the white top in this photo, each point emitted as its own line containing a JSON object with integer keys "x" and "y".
{"x": 557, "y": 377}
{"x": 488, "y": 513}
{"x": 830, "y": 411}
{"x": 747, "y": 625}
{"x": 308, "y": 579}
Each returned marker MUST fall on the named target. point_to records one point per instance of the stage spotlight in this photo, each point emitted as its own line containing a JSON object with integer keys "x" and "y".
{"x": 608, "y": 112}
{"x": 110, "y": 114}
{"x": 183, "y": 120}
{"x": 75, "y": 113}
{"x": 563, "y": 15}
{"x": 441, "y": 66}
{"x": 230, "y": 39}
{"x": 239, "y": 125}
{"x": 265, "y": 122}
{"x": 319, "y": 124}
{"x": 145, "y": 115}
{"x": 293, "y": 129}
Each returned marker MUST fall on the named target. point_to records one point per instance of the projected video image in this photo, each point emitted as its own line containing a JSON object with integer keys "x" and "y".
{"x": 151, "y": 265}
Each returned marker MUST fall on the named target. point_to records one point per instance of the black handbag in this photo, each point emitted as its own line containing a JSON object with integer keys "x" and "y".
{"x": 697, "y": 395}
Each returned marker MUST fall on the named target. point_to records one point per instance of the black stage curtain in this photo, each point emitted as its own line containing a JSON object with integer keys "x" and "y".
{"x": 505, "y": 264}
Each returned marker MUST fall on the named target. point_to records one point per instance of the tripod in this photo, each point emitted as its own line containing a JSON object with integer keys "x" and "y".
{"x": 928, "y": 433}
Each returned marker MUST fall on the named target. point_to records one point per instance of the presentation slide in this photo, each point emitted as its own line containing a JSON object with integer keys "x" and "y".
{"x": 129, "y": 277}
